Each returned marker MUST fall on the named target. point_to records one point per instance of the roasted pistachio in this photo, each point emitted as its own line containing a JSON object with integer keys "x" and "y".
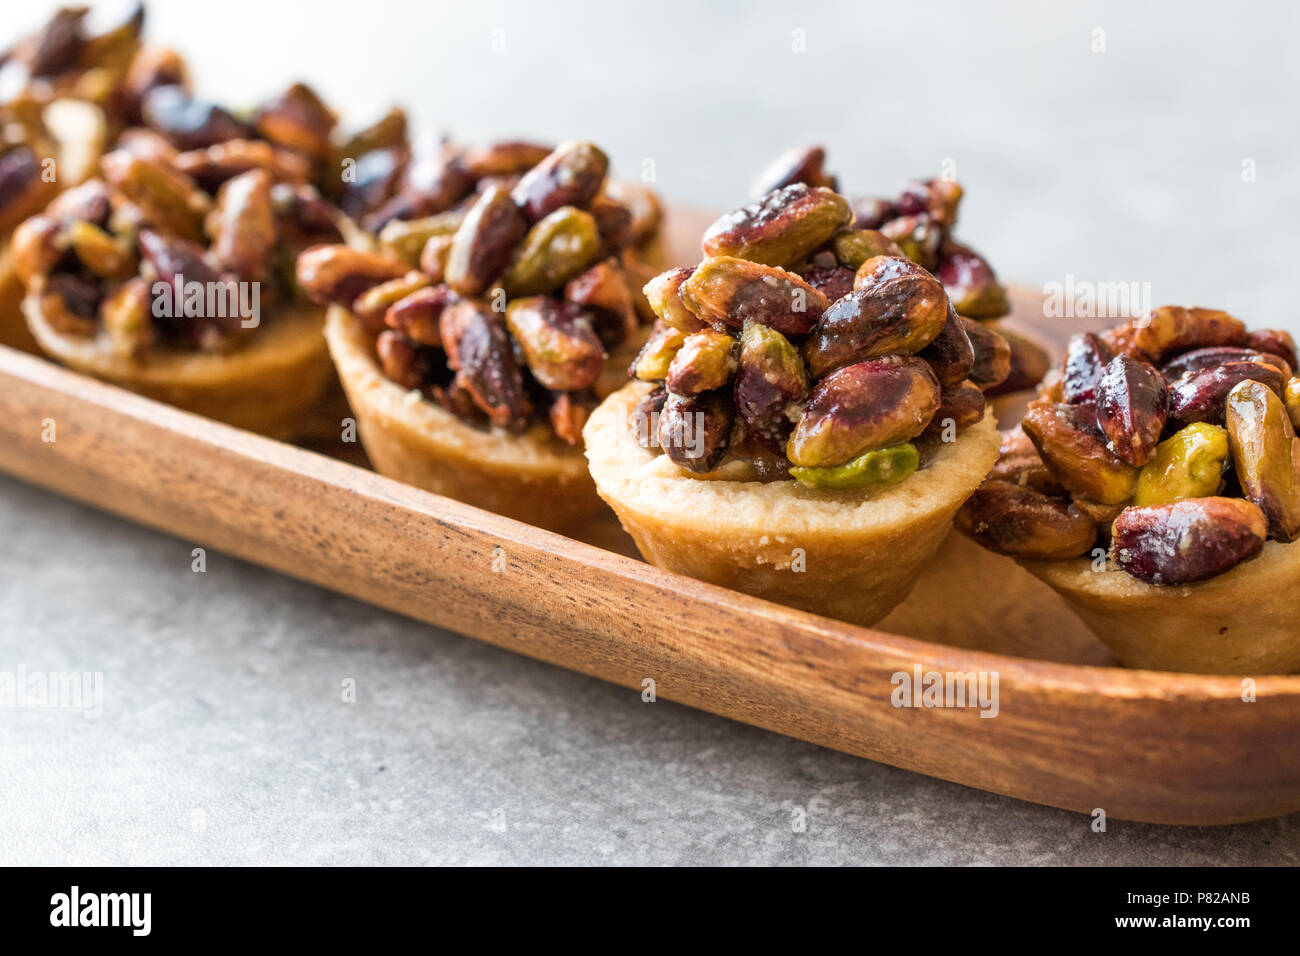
{"x": 479, "y": 351}
{"x": 936, "y": 198}
{"x": 970, "y": 282}
{"x": 897, "y": 307}
{"x": 727, "y": 292}
{"x": 188, "y": 122}
{"x": 1189, "y": 464}
{"x": 603, "y": 289}
{"x": 126, "y": 319}
{"x": 918, "y": 236}
{"x": 1030, "y": 363}
{"x": 695, "y": 430}
{"x": 568, "y": 412}
{"x": 950, "y": 354}
{"x": 705, "y": 361}
{"x": 417, "y": 315}
{"x": 1171, "y": 329}
{"x": 1202, "y": 396}
{"x": 299, "y": 120}
{"x": 570, "y": 176}
{"x": 656, "y": 356}
{"x": 503, "y": 158}
{"x": 1132, "y": 405}
{"x": 1071, "y": 445}
{"x": 1086, "y": 358}
{"x": 1266, "y": 456}
{"x": 169, "y": 199}
{"x": 555, "y": 250}
{"x": 992, "y": 354}
{"x": 1014, "y": 519}
{"x": 559, "y": 344}
{"x": 1292, "y": 399}
{"x": 664, "y": 295}
{"x": 960, "y": 406}
{"x": 1200, "y": 359}
{"x": 405, "y": 239}
{"x": 402, "y": 360}
{"x": 434, "y": 257}
{"x": 779, "y": 229}
{"x": 855, "y": 246}
{"x": 802, "y": 164}
{"x": 832, "y": 281}
{"x": 242, "y": 225}
{"x": 484, "y": 242}
{"x": 1019, "y": 463}
{"x": 104, "y": 255}
{"x": 875, "y": 468}
{"x": 372, "y": 305}
{"x": 36, "y": 245}
{"x": 871, "y": 404}
{"x": 643, "y": 205}
{"x": 771, "y": 381}
{"x": 1189, "y": 540}
{"x": 334, "y": 274}
{"x": 1277, "y": 342}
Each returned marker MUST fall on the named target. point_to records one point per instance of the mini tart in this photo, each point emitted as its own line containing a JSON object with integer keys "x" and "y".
{"x": 266, "y": 385}
{"x": 1241, "y": 622}
{"x": 533, "y": 477}
{"x": 862, "y": 549}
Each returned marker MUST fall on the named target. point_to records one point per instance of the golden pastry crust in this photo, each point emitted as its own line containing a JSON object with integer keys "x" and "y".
{"x": 266, "y": 385}
{"x": 533, "y": 477}
{"x": 1242, "y": 622}
{"x": 861, "y": 552}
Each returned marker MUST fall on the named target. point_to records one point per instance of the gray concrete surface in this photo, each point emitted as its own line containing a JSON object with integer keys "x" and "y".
{"x": 224, "y": 738}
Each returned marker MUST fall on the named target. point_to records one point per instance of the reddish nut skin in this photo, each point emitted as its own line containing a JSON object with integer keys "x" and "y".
{"x": 558, "y": 342}
{"x": 1189, "y": 540}
{"x": 1071, "y": 445}
{"x": 1203, "y": 396}
{"x": 770, "y": 383}
{"x": 950, "y": 355}
{"x": 1200, "y": 359}
{"x": 1086, "y": 357}
{"x": 960, "y": 407}
{"x": 480, "y": 352}
{"x": 1171, "y": 329}
{"x": 833, "y": 281}
{"x": 1132, "y": 405}
{"x": 417, "y": 316}
{"x": 645, "y": 417}
{"x": 781, "y": 228}
{"x": 336, "y": 275}
{"x": 896, "y": 308}
{"x": 992, "y": 355}
{"x": 570, "y": 176}
{"x": 705, "y": 361}
{"x": 695, "y": 430}
{"x": 1274, "y": 342}
{"x": 1020, "y": 521}
{"x": 971, "y": 282}
{"x": 568, "y": 412}
{"x": 403, "y": 361}
{"x": 1019, "y": 463}
{"x": 871, "y": 404}
{"x": 802, "y": 164}
{"x": 482, "y": 246}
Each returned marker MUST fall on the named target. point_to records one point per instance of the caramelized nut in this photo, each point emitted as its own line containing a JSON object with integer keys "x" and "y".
{"x": 1020, "y": 521}
{"x": 1131, "y": 408}
{"x": 336, "y": 275}
{"x": 570, "y": 176}
{"x": 479, "y": 351}
{"x": 970, "y": 282}
{"x": 706, "y": 361}
{"x": 656, "y": 356}
{"x": 1188, "y": 540}
{"x": 1071, "y": 446}
{"x": 1172, "y": 329}
{"x": 1202, "y": 396}
{"x": 779, "y": 229}
{"x": 555, "y": 250}
{"x": 371, "y": 306}
{"x": 992, "y": 355}
{"x": 695, "y": 430}
{"x": 242, "y": 225}
{"x": 559, "y": 344}
{"x": 798, "y": 165}
{"x": 1187, "y": 465}
{"x": 771, "y": 381}
{"x": 417, "y": 316}
{"x": 663, "y": 292}
{"x": 484, "y": 242}
{"x": 950, "y": 354}
{"x": 727, "y": 292}
{"x": 1266, "y": 456}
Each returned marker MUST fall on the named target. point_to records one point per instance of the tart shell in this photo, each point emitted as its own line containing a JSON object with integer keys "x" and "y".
{"x": 267, "y": 385}
{"x": 533, "y": 477}
{"x": 860, "y": 553}
{"x": 1244, "y": 621}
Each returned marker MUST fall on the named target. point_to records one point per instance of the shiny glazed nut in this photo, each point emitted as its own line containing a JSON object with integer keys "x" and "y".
{"x": 871, "y": 469}
{"x": 187, "y": 122}
{"x": 656, "y": 356}
{"x": 1188, "y": 540}
{"x": 897, "y": 307}
{"x": 771, "y": 382}
{"x": 216, "y": 164}
{"x": 970, "y": 282}
{"x": 406, "y": 238}
{"x": 872, "y": 404}
{"x": 1172, "y": 329}
{"x": 479, "y": 351}
{"x": 779, "y": 229}
{"x": 416, "y": 316}
{"x": 102, "y": 254}
{"x": 298, "y": 120}
{"x": 1071, "y": 446}
{"x": 950, "y": 355}
{"x": 727, "y": 292}
{"x": 559, "y": 344}
{"x": 918, "y": 236}
{"x": 37, "y": 245}
{"x": 242, "y": 225}
{"x": 801, "y": 164}
{"x": 706, "y": 361}
{"x": 372, "y": 305}
{"x": 403, "y": 361}
{"x": 570, "y": 176}
{"x": 568, "y": 412}
{"x": 1292, "y": 399}
{"x": 503, "y": 159}
{"x": 483, "y": 244}
{"x": 336, "y": 275}
{"x": 434, "y": 257}
{"x": 695, "y": 430}
{"x": 604, "y": 289}
{"x": 169, "y": 199}
{"x": 555, "y": 250}
{"x": 992, "y": 355}
{"x": 1189, "y": 464}
{"x": 1274, "y": 342}
{"x": 1131, "y": 408}
{"x": 1266, "y": 455}
{"x": 1016, "y": 520}
{"x": 1019, "y": 463}
{"x": 1086, "y": 357}
{"x": 960, "y": 406}
{"x": 663, "y": 292}
{"x": 1200, "y": 359}
{"x": 855, "y": 246}
{"x": 125, "y": 316}
{"x": 1030, "y": 363}
{"x": 1202, "y": 396}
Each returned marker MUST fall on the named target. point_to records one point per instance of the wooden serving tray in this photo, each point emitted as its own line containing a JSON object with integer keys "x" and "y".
{"x": 1071, "y": 730}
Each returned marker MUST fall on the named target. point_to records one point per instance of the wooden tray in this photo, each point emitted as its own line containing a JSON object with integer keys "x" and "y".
{"x": 1071, "y": 731}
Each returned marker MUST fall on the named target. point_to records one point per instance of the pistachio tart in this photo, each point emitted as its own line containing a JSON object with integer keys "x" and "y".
{"x": 498, "y": 303}
{"x": 1155, "y": 485}
{"x": 808, "y": 414}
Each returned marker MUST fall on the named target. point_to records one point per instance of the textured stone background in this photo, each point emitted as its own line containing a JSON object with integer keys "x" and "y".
{"x": 223, "y": 737}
